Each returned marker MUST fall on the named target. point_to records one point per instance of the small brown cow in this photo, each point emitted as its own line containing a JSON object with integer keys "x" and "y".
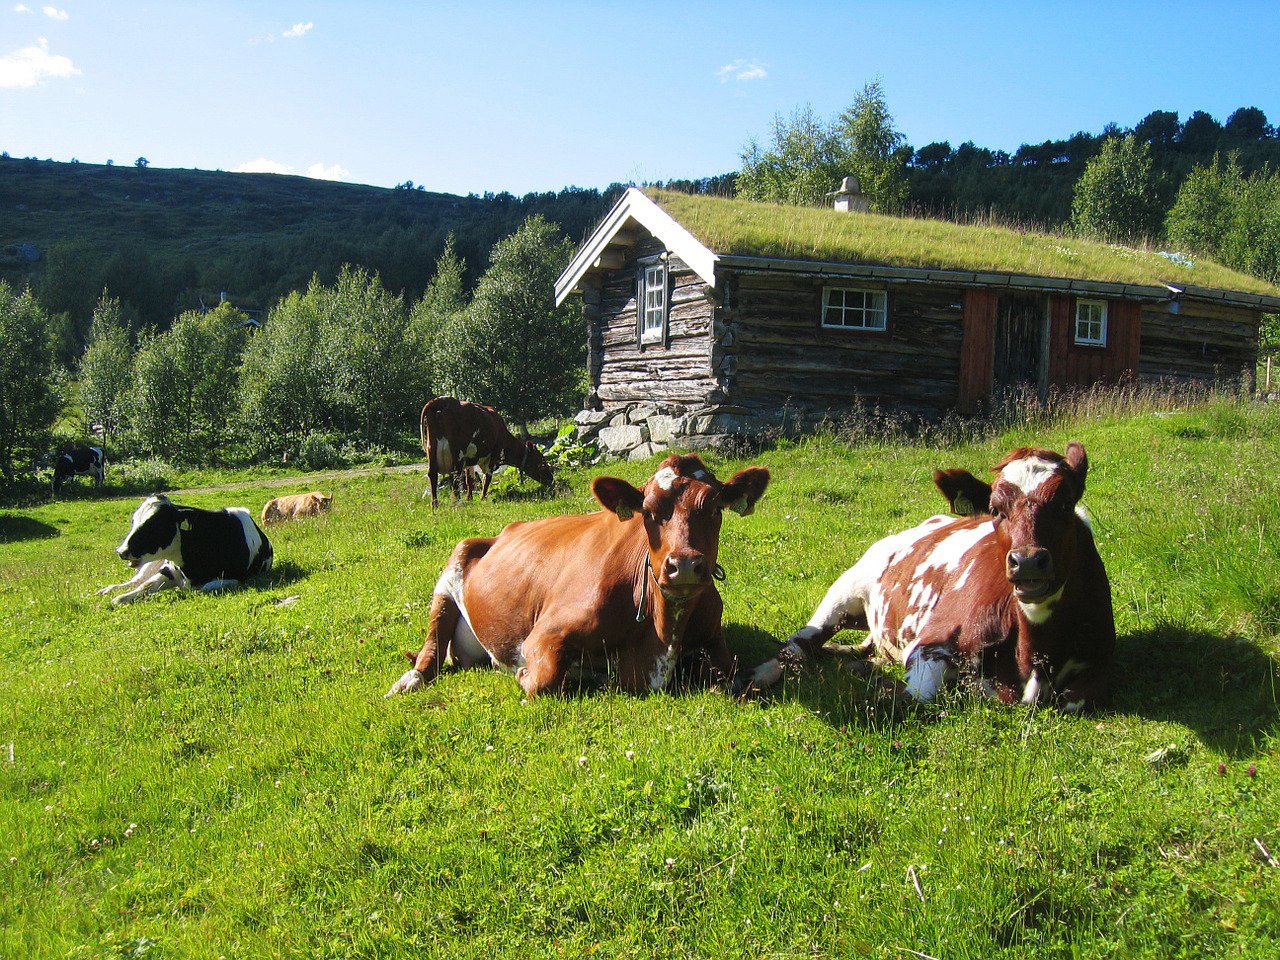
{"x": 627, "y": 589}
{"x": 458, "y": 436}
{"x": 1013, "y": 591}
{"x": 296, "y": 506}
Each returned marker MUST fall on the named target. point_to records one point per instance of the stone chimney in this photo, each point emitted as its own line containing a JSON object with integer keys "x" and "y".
{"x": 850, "y": 197}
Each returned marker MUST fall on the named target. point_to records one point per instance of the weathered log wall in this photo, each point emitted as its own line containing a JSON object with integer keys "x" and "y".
{"x": 678, "y": 371}
{"x": 782, "y": 356}
{"x": 1202, "y": 341}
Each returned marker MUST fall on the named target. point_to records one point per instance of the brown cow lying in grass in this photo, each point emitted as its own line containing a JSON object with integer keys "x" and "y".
{"x": 1013, "y": 592}
{"x": 296, "y": 506}
{"x": 627, "y": 590}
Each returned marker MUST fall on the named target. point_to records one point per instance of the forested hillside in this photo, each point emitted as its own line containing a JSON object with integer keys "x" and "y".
{"x": 163, "y": 241}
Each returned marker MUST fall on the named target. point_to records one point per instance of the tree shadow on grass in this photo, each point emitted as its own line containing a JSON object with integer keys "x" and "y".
{"x": 1222, "y": 687}
{"x": 15, "y": 527}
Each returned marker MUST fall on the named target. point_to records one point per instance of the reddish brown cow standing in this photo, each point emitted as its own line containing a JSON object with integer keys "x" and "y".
{"x": 1014, "y": 591}
{"x": 627, "y": 589}
{"x": 459, "y": 436}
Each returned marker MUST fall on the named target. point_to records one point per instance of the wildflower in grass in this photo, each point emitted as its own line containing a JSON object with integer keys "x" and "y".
{"x": 582, "y": 760}
{"x": 1222, "y": 769}
{"x": 630, "y": 754}
{"x": 1252, "y": 771}
{"x": 669, "y": 863}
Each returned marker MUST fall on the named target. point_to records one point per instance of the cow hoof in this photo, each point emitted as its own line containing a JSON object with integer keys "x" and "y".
{"x": 411, "y": 681}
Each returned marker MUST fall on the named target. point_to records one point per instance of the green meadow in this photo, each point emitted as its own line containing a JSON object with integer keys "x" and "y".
{"x": 217, "y": 776}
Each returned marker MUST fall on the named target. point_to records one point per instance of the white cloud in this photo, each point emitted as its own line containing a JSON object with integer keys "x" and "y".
{"x": 335, "y": 171}
{"x": 298, "y": 29}
{"x": 317, "y": 171}
{"x": 32, "y": 65}
{"x": 22, "y": 8}
{"x": 53, "y": 13}
{"x": 262, "y": 165}
{"x": 742, "y": 70}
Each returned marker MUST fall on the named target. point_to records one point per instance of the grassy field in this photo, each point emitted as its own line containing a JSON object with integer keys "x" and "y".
{"x": 219, "y": 776}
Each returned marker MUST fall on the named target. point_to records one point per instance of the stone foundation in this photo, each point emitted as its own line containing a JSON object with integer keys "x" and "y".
{"x": 639, "y": 430}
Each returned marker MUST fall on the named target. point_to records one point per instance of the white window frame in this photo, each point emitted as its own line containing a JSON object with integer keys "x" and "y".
{"x": 872, "y": 316}
{"x": 653, "y": 310}
{"x": 1085, "y": 336}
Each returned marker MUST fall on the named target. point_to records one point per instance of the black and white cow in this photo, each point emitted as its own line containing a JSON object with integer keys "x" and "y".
{"x": 78, "y": 461}
{"x": 188, "y": 548}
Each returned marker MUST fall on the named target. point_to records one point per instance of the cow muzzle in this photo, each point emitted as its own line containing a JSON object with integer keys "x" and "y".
{"x": 684, "y": 574}
{"x": 1030, "y": 572}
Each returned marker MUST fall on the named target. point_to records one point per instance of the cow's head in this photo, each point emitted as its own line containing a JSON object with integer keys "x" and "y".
{"x": 535, "y": 464}
{"x": 681, "y": 507}
{"x": 154, "y": 533}
{"x": 1032, "y": 503}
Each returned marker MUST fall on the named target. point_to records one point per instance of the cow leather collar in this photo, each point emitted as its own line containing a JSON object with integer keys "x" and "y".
{"x": 718, "y": 573}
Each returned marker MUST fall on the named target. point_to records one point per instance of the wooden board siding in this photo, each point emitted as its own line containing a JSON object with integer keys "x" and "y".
{"x": 678, "y": 372}
{"x": 1203, "y": 342}
{"x": 785, "y": 357}
{"x": 1073, "y": 365}
{"x": 976, "y": 350}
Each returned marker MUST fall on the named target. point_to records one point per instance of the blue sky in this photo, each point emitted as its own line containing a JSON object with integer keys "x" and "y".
{"x": 480, "y": 96}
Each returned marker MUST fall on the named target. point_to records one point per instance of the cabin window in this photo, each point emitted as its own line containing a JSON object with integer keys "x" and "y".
{"x": 1091, "y": 323}
{"x": 853, "y": 308}
{"x": 653, "y": 303}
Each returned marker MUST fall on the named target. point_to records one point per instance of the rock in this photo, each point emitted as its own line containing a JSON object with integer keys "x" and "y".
{"x": 664, "y": 429}
{"x": 619, "y": 419}
{"x": 621, "y": 439}
{"x": 642, "y": 452}
{"x": 590, "y": 418}
{"x": 641, "y": 412}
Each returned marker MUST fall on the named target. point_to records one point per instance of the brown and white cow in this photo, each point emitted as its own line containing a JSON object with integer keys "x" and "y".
{"x": 459, "y": 436}
{"x": 1013, "y": 592}
{"x": 296, "y": 506}
{"x": 626, "y": 590}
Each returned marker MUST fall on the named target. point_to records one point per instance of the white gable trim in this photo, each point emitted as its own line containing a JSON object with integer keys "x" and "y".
{"x": 634, "y": 205}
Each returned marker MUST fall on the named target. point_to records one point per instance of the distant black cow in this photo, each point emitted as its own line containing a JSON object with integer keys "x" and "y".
{"x": 190, "y": 549}
{"x": 76, "y": 462}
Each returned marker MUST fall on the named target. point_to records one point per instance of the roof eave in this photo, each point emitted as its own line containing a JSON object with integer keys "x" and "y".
{"x": 633, "y": 205}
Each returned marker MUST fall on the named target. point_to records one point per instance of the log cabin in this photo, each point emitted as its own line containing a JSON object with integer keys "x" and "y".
{"x": 708, "y": 317}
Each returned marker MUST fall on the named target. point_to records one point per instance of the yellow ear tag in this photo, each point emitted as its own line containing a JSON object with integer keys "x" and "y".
{"x": 962, "y": 506}
{"x": 623, "y": 512}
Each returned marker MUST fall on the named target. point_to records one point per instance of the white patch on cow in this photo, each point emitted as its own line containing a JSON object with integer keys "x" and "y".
{"x": 471, "y": 450}
{"x": 409, "y": 681}
{"x": 444, "y": 455}
{"x": 1069, "y": 670}
{"x": 766, "y": 675}
{"x": 467, "y": 643}
{"x": 152, "y": 578}
{"x": 804, "y": 633}
{"x": 1031, "y": 692}
{"x": 1075, "y": 706}
{"x": 924, "y": 675}
{"x": 921, "y": 600}
{"x": 252, "y": 536}
{"x": 1086, "y": 518}
{"x": 466, "y": 650}
{"x": 964, "y": 577}
{"x": 215, "y": 585}
{"x": 1028, "y": 473}
{"x": 662, "y": 669}
{"x": 1040, "y": 611}
{"x": 948, "y": 553}
{"x": 665, "y": 477}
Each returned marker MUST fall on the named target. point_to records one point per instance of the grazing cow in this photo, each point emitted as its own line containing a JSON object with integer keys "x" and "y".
{"x": 1013, "y": 591}
{"x": 627, "y": 588}
{"x": 78, "y": 461}
{"x": 458, "y": 435}
{"x": 190, "y": 549}
{"x": 296, "y": 507}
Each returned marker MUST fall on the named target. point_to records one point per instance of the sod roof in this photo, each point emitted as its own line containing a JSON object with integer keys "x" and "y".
{"x": 744, "y": 228}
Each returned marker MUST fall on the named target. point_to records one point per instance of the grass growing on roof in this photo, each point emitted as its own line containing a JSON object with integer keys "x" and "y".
{"x": 807, "y": 233}
{"x": 206, "y": 776}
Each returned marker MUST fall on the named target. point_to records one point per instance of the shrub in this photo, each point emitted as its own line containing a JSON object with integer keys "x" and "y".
{"x": 319, "y": 451}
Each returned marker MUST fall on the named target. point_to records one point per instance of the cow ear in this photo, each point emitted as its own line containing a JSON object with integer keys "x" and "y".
{"x": 744, "y": 489}
{"x": 1079, "y": 464}
{"x": 967, "y": 495}
{"x": 617, "y": 496}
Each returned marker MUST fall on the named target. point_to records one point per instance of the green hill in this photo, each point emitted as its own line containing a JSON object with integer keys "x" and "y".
{"x": 165, "y": 240}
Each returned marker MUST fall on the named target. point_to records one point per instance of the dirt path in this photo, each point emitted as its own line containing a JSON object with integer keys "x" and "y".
{"x": 301, "y": 479}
